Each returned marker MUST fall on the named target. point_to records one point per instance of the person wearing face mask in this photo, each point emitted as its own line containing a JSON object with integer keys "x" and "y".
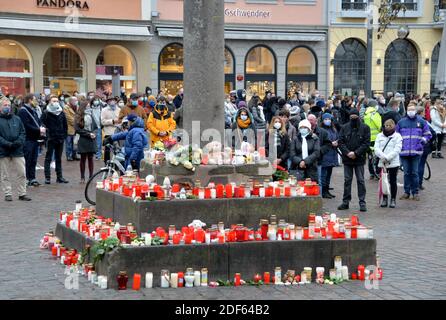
{"x": 256, "y": 110}
{"x": 56, "y": 126}
{"x": 277, "y": 136}
{"x": 330, "y": 156}
{"x": 388, "y": 146}
{"x": 372, "y": 118}
{"x": 230, "y": 112}
{"x": 132, "y": 107}
{"x": 12, "y": 140}
{"x": 324, "y": 141}
{"x": 243, "y": 128}
{"x": 304, "y": 153}
{"x": 416, "y": 134}
{"x": 160, "y": 124}
{"x": 438, "y": 116}
{"x": 291, "y": 130}
{"x": 109, "y": 121}
{"x": 169, "y": 103}
{"x": 354, "y": 141}
{"x": 178, "y": 100}
{"x": 96, "y": 108}
{"x": 17, "y": 105}
{"x": 241, "y": 96}
{"x": 70, "y": 112}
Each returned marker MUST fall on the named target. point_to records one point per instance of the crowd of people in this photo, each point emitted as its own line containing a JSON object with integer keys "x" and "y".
{"x": 310, "y": 134}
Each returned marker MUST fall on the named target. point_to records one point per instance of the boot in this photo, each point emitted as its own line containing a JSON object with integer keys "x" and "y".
{"x": 439, "y": 155}
{"x": 384, "y": 203}
{"x": 330, "y": 194}
{"x": 325, "y": 193}
{"x": 434, "y": 155}
{"x": 392, "y": 203}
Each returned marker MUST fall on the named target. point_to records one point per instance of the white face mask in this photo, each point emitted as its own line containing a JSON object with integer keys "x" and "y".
{"x": 121, "y": 104}
{"x": 277, "y": 125}
{"x": 411, "y": 114}
{"x": 244, "y": 117}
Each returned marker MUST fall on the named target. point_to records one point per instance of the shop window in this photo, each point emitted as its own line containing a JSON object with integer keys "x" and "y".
{"x": 434, "y": 66}
{"x": 350, "y": 63}
{"x": 260, "y": 71}
{"x": 301, "y": 71}
{"x": 15, "y": 68}
{"x": 229, "y": 71}
{"x": 63, "y": 69}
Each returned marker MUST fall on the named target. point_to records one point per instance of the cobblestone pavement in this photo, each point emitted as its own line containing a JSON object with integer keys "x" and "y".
{"x": 410, "y": 242}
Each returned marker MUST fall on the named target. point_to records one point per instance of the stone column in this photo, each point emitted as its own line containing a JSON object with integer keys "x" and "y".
{"x": 203, "y": 67}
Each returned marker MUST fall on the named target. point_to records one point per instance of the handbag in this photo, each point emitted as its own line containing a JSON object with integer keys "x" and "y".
{"x": 384, "y": 182}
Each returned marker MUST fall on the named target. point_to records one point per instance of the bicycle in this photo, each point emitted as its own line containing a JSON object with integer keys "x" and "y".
{"x": 112, "y": 167}
{"x": 427, "y": 171}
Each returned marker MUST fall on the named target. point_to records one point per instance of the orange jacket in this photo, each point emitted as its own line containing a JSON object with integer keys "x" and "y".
{"x": 158, "y": 122}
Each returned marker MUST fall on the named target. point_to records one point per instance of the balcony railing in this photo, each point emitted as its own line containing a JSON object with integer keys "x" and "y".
{"x": 356, "y": 6}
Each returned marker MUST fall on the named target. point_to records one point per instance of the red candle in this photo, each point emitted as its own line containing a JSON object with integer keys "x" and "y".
{"x": 287, "y": 192}
{"x": 176, "y": 238}
{"x": 323, "y": 232}
{"x": 196, "y": 191}
{"x": 176, "y": 188}
{"x": 138, "y": 191}
{"x": 269, "y": 192}
{"x": 361, "y": 273}
{"x": 221, "y": 238}
{"x": 207, "y": 193}
{"x": 232, "y": 236}
{"x": 185, "y": 230}
{"x": 257, "y": 278}
{"x": 297, "y": 278}
{"x": 277, "y": 192}
{"x": 280, "y": 232}
{"x": 354, "y": 276}
{"x": 188, "y": 238}
{"x": 266, "y": 278}
{"x": 354, "y": 220}
{"x": 200, "y": 235}
{"x": 145, "y": 188}
{"x": 241, "y": 192}
{"x": 220, "y": 190}
{"x": 256, "y": 191}
{"x": 236, "y": 192}
{"x": 237, "y": 279}
{"x": 54, "y": 251}
{"x": 136, "y": 281}
{"x": 228, "y": 190}
{"x": 180, "y": 279}
{"x": 354, "y": 233}
{"x": 306, "y": 233}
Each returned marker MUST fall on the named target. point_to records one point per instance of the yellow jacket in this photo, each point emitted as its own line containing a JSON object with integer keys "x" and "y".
{"x": 160, "y": 122}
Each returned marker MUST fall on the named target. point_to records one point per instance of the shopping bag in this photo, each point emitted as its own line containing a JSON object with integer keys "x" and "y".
{"x": 384, "y": 182}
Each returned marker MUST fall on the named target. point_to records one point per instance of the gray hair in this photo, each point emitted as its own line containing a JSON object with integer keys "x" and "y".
{"x": 3, "y": 100}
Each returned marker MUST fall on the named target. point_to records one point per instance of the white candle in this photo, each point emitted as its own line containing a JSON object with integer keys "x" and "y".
{"x": 78, "y": 205}
{"x": 148, "y": 239}
{"x": 165, "y": 281}
{"x": 104, "y": 282}
{"x": 201, "y": 194}
{"x": 294, "y": 192}
{"x": 345, "y": 272}
{"x": 197, "y": 278}
{"x": 213, "y": 193}
{"x": 174, "y": 280}
{"x": 262, "y": 192}
{"x": 149, "y": 279}
{"x": 208, "y": 237}
{"x": 189, "y": 281}
{"x": 333, "y": 217}
{"x": 247, "y": 192}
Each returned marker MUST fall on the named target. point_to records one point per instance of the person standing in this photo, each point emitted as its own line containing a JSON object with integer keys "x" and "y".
{"x": 96, "y": 109}
{"x": 70, "y": 112}
{"x": 330, "y": 157}
{"x": 132, "y": 107}
{"x": 109, "y": 121}
{"x": 279, "y": 139}
{"x": 12, "y": 140}
{"x": 354, "y": 141}
{"x": 388, "y": 146}
{"x": 34, "y": 132}
{"x": 416, "y": 134}
{"x": 438, "y": 116}
{"x": 178, "y": 100}
{"x": 304, "y": 153}
{"x": 86, "y": 128}
{"x": 428, "y": 147}
{"x": 161, "y": 123}
{"x": 372, "y": 119}
{"x": 55, "y": 122}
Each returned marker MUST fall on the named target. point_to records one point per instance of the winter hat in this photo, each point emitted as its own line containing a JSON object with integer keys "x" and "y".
{"x": 353, "y": 111}
{"x": 281, "y": 102}
{"x": 242, "y": 104}
{"x": 327, "y": 116}
{"x": 132, "y": 117}
{"x": 305, "y": 123}
{"x": 372, "y": 103}
{"x": 320, "y": 104}
{"x": 134, "y": 96}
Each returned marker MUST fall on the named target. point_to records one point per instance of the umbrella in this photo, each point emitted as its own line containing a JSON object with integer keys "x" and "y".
{"x": 440, "y": 79}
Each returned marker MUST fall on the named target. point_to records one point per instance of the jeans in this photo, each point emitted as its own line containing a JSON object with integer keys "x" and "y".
{"x": 31, "y": 153}
{"x": 422, "y": 166}
{"x": 411, "y": 180}
{"x": 69, "y": 147}
{"x": 326, "y": 177}
{"x": 348, "y": 178}
{"x": 319, "y": 175}
{"x": 99, "y": 143}
{"x": 54, "y": 148}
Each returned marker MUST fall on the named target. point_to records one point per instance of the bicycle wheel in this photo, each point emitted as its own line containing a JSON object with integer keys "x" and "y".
{"x": 90, "y": 187}
{"x": 427, "y": 171}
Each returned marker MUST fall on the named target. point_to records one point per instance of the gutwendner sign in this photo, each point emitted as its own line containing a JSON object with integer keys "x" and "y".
{"x": 61, "y": 4}
{"x": 245, "y": 13}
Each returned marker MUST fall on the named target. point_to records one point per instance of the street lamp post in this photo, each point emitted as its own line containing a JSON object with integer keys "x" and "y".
{"x": 368, "y": 82}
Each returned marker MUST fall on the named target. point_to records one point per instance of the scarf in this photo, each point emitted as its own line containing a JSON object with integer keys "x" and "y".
{"x": 55, "y": 109}
{"x": 277, "y": 138}
{"x": 304, "y": 148}
{"x": 243, "y": 124}
{"x": 388, "y": 133}
{"x": 88, "y": 120}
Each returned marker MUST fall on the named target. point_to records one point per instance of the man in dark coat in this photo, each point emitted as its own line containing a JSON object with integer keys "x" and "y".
{"x": 354, "y": 141}
{"x": 12, "y": 140}
{"x": 34, "y": 132}
{"x": 178, "y": 100}
{"x": 324, "y": 142}
{"x": 57, "y": 130}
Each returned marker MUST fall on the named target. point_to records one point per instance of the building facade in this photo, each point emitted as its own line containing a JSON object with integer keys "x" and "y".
{"x": 277, "y": 45}
{"x": 400, "y": 65}
{"x": 56, "y": 46}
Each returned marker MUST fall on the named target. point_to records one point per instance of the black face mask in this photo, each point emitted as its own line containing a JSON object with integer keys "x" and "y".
{"x": 354, "y": 123}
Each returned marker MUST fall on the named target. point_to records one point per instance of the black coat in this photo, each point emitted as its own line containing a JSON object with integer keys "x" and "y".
{"x": 12, "y": 136}
{"x": 283, "y": 151}
{"x": 324, "y": 141}
{"x": 178, "y": 101}
{"x": 32, "y": 127}
{"x": 57, "y": 128}
{"x": 356, "y": 140}
{"x": 86, "y": 144}
{"x": 313, "y": 151}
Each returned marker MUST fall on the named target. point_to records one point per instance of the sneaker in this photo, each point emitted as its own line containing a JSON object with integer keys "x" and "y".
{"x": 47, "y": 181}
{"x": 434, "y": 155}
{"x": 24, "y": 198}
{"x": 440, "y": 156}
{"x": 331, "y": 195}
{"x": 61, "y": 180}
{"x": 384, "y": 203}
{"x": 70, "y": 159}
{"x": 405, "y": 196}
{"x": 363, "y": 208}
{"x": 392, "y": 203}
{"x": 8, "y": 198}
{"x": 39, "y": 167}
{"x": 343, "y": 206}
{"x": 416, "y": 197}
{"x": 35, "y": 183}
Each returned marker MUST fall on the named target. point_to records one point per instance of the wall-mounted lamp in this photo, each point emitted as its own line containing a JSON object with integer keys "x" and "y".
{"x": 378, "y": 62}
{"x": 427, "y": 61}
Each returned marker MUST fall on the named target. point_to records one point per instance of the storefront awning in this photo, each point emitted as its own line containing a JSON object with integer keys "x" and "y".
{"x": 440, "y": 79}
{"x": 252, "y": 35}
{"x": 69, "y": 30}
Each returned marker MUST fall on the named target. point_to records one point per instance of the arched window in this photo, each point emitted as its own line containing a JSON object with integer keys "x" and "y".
{"x": 260, "y": 71}
{"x": 171, "y": 69}
{"x": 115, "y": 59}
{"x": 301, "y": 71}
{"x": 229, "y": 71}
{"x": 350, "y": 67}
{"x": 401, "y": 67}
{"x": 63, "y": 69}
{"x": 15, "y": 68}
{"x": 434, "y": 66}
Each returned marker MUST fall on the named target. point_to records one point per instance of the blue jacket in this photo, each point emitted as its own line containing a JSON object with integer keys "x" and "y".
{"x": 32, "y": 127}
{"x": 12, "y": 136}
{"x": 415, "y": 133}
{"x": 135, "y": 142}
{"x": 330, "y": 158}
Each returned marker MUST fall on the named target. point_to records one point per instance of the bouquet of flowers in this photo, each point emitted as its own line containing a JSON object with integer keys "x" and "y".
{"x": 280, "y": 174}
